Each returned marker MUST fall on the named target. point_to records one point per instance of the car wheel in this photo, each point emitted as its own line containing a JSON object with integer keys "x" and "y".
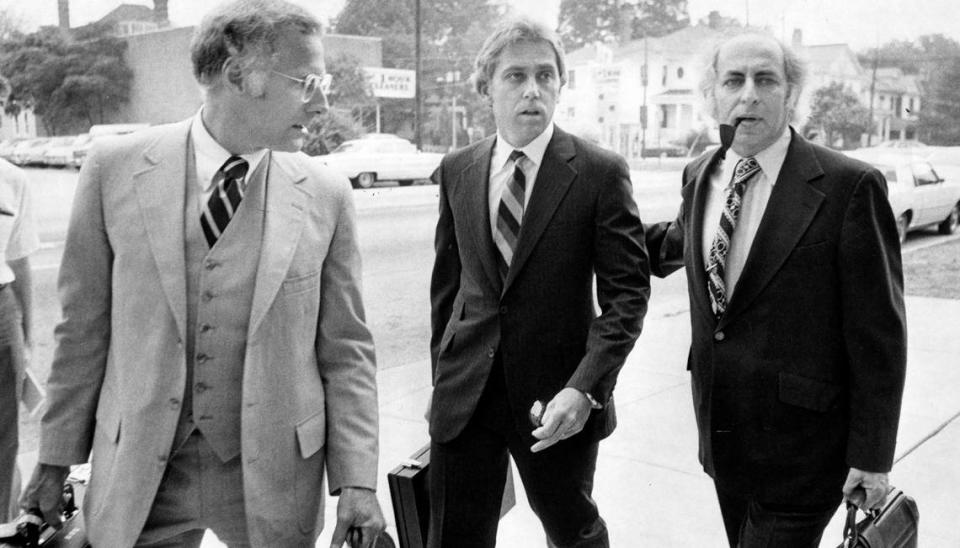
{"x": 366, "y": 179}
{"x": 405, "y": 182}
{"x": 949, "y": 225}
{"x": 903, "y": 223}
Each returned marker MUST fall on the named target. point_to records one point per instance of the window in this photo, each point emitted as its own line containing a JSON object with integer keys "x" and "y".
{"x": 663, "y": 79}
{"x": 679, "y": 73}
{"x": 924, "y": 174}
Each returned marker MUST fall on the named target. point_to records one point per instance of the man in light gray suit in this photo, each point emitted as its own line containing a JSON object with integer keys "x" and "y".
{"x": 213, "y": 354}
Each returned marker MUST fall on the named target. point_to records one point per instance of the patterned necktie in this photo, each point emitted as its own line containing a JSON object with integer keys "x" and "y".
{"x": 716, "y": 264}
{"x": 510, "y": 214}
{"x": 224, "y": 200}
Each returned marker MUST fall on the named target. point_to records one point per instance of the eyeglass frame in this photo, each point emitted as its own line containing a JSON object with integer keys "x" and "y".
{"x": 323, "y": 85}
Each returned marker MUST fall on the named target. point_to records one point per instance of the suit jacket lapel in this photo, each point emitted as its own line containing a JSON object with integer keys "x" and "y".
{"x": 697, "y": 196}
{"x": 159, "y": 186}
{"x": 792, "y": 207}
{"x": 283, "y": 217}
{"x": 553, "y": 179}
{"x": 474, "y": 183}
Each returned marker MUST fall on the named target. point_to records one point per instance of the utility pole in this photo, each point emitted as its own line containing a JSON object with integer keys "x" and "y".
{"x": 645, "y": 115}
{"x": 416, "y": 94}
{"x": 873, "y": 84}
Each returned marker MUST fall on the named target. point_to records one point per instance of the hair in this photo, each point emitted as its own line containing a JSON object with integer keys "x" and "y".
{"x": 246, "y": 30}
{"x": 794, "y": 69}
{"x": 512, "y": 32}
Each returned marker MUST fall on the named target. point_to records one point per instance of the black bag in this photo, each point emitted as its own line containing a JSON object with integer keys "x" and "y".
{"x": 409, "y": 492}
{"x": 31, "y": 531}
{"x": 893, "y": 526}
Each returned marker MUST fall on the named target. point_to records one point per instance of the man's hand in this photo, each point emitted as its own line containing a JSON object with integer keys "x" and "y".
{"x": 45, "y": 491}
{"x": 359, "y": 521}
{"x": 867, "y": 490}
{"x": 565, "y": 416}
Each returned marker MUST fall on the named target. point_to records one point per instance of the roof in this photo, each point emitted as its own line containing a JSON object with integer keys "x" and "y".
{"x": 829, "y": 59}
{"x": 128, "y": 12}
{"x": 694, "y": 40}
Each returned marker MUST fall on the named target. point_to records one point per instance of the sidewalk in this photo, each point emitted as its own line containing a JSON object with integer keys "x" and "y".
{"x": 649, "y": 485}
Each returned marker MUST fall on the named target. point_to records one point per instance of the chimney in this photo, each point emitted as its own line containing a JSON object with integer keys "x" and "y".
{"x": 714, "y": 20}
{"x": 797, "y": 41}
{"x": 63, "y": 9}
{"x": 628, "y": 12}
{"x": 160, "y": 14}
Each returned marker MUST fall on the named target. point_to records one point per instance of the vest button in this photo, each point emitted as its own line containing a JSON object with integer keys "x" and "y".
{"x": 491, "y": 352}
{"x": 202, "y": 358}
{"x": 174, "y": 403}
{"x": 205, "y": 327}
{"x": 208, "y": 296}
{"x": 719, "y": 336}
{"x": 201, "y": 387}
{"x": 211, "y": 265}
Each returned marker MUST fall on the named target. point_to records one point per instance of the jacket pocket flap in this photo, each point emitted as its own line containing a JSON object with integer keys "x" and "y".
{"x": 312, "y": 434}
{"x": 807, "y": 393}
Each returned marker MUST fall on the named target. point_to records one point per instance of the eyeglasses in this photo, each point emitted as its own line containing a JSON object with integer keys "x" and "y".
{"x": 310, "y": 85}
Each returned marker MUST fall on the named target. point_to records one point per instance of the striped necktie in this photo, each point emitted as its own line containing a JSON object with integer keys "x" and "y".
{"x": 716, "y": 264}
{"x": 224, "y": 200}
{"x": 510, "y": 214}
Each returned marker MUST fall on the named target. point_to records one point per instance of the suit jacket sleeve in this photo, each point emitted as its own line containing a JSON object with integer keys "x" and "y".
{"x": 347, "y": 364}
{"x": 874, "y": 323}
{"x": 445, "y": 280}
{"x": 83, "y": 335}
{"x": 665, "y": 240}
{"x": 622, "y": 270}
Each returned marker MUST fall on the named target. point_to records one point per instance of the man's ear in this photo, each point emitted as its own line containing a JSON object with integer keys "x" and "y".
{"x": 484, "y": 91}
{"x": 232, "y": 74}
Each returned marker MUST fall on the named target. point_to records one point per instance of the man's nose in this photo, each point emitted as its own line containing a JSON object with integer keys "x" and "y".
{"x": 749, "y": 92}
{"x": 531, "y": 89}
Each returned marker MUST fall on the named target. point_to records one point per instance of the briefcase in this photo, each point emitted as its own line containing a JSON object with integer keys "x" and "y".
{"x": 893, "y": 526}
{"x": 409, "y": 492}
{"x": 31, "y": 531}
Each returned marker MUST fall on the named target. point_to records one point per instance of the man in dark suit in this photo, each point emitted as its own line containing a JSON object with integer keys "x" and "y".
{"x": 520, "y": 239}
{"x": 796, "y": 303}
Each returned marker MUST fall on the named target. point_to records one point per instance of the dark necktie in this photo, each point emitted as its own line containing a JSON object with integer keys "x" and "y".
{"x": 510, "y": 215}
{"x": 224, "y": 200}
{"x": 716, "y": 264}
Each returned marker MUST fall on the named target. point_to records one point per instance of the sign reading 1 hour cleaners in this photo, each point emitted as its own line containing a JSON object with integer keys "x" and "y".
{"x": 393, "y": 83}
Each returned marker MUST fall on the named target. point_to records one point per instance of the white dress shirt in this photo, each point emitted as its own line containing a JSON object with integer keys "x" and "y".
{"x": 18, "y": 233}
{"x": 501, "y": 169}
{"x": 210, "y": 157}
{"x": 754, "y": 203}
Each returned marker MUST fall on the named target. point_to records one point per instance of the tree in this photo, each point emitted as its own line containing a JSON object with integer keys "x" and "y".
{"x": 452, "y": 31}
{"x": 838, "y": 112}
{"x": 940, "y": 112}
{"x": 68, "y": 84}
{"x": 607, "y": 20}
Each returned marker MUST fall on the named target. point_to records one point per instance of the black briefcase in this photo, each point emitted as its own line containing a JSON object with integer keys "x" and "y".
{"x": 409, "y": 492}
{"x": 893, "y": 526}
{"x": 31, "y": 531}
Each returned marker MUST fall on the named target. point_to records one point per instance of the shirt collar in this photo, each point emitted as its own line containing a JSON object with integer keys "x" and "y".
{"x": 534, "y": 150}
{"x": 770, "y": 159}
{"x": 210, "y": 155}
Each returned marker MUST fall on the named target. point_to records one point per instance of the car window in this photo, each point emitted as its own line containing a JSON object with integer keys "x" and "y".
{"x": 924, "y": 174}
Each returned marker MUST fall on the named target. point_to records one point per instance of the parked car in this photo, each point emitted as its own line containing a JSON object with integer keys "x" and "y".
{"x": 666, "y": 150}
{"x": 27, "y": 151}
{"x": 53, "y": 153}
{"x": 918, "y": 195}
{"x": 102, "y": 130}
{"x": 60, "y": 153}
{"x": 366, "y": 161}
{"x": 7, "y": 146}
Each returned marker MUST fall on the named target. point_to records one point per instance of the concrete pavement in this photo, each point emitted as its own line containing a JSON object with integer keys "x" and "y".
{"x": 650, "y": 488}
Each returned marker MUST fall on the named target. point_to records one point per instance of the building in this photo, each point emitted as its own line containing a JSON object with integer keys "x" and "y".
{"x": 641, "y": 96}
{"x": 638, "y": 96}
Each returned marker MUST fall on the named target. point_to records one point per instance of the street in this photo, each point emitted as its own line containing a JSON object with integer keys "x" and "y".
{"x": 396, "y": 242}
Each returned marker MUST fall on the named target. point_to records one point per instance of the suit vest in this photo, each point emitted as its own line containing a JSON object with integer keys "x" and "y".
{"x": 220, "y": 284}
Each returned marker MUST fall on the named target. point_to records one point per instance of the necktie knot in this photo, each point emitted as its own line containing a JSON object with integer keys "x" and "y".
{"x": 745, "y": 168}
{"x": 516, "y": 155}
{"x": 235, "y": 168}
